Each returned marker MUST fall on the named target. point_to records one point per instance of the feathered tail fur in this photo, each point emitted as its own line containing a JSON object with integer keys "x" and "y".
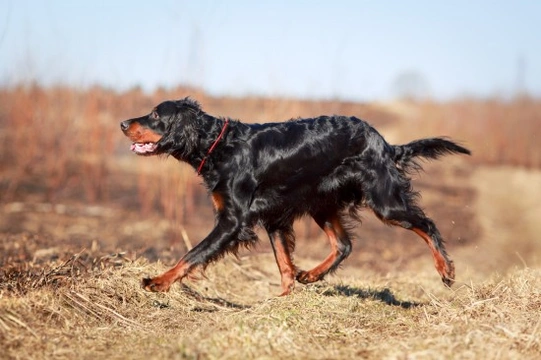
{"x": 432, "y": 148}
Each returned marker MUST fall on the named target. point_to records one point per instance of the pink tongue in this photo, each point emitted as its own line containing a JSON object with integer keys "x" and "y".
{"x": 143, "y": 148}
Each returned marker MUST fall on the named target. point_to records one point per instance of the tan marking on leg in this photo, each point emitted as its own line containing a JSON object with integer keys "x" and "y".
{"x": 285, "y": 264}
{"x": 163, "y": 282}
{"x": 334, "y": 231}
{"x": 444, "y": 267}
{"x": 218, "y": 201}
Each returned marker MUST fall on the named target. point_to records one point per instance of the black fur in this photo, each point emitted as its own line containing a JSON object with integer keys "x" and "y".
{"x": 271, "y": 174}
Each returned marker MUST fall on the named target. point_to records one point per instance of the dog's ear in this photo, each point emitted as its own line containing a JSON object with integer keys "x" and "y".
{"x": 188, "y": 104}
{"x": 182, "y": 135}
{"x": 188, "y": 113}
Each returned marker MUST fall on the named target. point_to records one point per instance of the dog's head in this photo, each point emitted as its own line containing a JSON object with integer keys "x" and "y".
{"x": 168, "y": 129}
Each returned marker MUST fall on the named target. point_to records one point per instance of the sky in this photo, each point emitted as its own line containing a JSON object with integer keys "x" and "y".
{"x": 351, "y": 50}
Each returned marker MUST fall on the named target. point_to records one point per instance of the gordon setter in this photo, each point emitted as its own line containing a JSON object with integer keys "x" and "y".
{"x": 326, "y": 167}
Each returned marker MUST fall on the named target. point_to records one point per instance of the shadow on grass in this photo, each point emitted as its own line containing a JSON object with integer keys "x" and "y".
{"x": 385, "y": 295}
{"x": 214, "y": 301}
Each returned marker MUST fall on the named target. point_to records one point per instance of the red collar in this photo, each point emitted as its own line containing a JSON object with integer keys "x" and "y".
{"x": 212, "y": 147}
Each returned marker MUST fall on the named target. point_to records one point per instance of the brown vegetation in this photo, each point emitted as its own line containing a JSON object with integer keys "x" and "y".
{"x": 499, "y": 132}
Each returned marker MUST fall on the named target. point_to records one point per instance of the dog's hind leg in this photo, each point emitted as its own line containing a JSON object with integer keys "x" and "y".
{"x": 283, "y": 244}
{"x": 426, "y": 229}
{"x": 394, "y": 204}
{"x": 340, "y": 248}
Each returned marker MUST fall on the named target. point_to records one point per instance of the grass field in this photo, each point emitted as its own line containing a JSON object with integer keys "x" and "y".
{"x": 82, "y": 221}
{"x": 233, "y": 315}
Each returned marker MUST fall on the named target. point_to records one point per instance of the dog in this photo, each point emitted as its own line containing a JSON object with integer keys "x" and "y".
{"x": 271, "y": 174}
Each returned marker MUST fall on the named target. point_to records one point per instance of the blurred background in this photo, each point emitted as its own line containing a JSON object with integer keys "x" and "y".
{"x": 71, "y": 71}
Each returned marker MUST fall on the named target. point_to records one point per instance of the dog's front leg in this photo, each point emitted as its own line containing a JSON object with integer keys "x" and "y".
{"x": 283, "y": 243}
{"x": 209, "y": 249}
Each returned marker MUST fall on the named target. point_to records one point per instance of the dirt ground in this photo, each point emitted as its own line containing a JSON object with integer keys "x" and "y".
{"x": 508, "y": 211}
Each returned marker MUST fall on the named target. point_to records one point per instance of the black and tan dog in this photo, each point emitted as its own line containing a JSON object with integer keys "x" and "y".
{"x": 271, "y": 174}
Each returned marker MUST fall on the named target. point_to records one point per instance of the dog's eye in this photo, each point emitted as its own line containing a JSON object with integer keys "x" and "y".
{"x": 154, "y": 115}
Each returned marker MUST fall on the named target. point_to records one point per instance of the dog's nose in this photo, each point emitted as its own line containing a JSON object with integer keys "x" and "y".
{"x": 124, "y": 125}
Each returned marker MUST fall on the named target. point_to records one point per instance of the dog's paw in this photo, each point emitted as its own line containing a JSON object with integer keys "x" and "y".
{"x": 156, "y": 284}
{"x": 448, "y": 275}
{"x": 287, "y": 287}
{"x": 307, "y": 277}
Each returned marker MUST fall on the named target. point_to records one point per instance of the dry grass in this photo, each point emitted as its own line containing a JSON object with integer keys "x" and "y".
{"x": 499, "y": 132}
{"x": 232, "y": 314}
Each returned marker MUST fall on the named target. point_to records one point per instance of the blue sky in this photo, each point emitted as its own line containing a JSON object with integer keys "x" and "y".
{"x": 354, "y": 50}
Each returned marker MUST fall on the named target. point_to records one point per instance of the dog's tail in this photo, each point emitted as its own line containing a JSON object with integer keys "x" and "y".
{"x": 433, "y": 148}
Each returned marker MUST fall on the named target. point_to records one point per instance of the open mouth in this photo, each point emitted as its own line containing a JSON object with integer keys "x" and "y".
{"x": 143, "y": 148}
